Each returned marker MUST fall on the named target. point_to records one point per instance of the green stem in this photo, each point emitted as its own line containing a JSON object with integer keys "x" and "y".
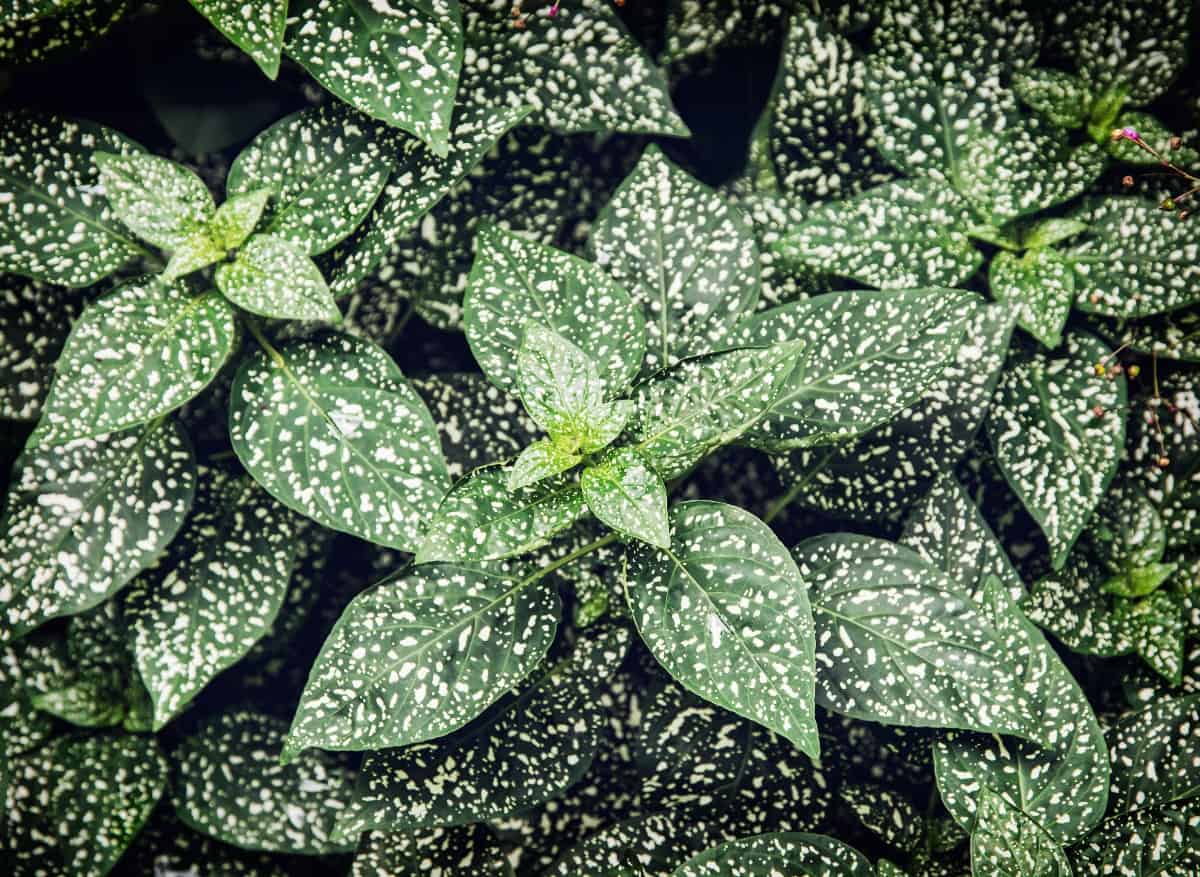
{"x": 254, "y": 329}
{"x": 776, "y": 508}
{"x": 569, "y": 558}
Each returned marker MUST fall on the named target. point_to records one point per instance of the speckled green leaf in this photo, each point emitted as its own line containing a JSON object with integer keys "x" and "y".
{"x": 900, "y": 643}
{"x": 819, "y": 138}
{"x": 237, "y": 217}
{"x": 1062, "y": 786}
{"x": 581, "y": 70}
{"x": 274, "y": 277}
{"x": 461, "y": 851}
{"x": 1175, "y": 490}
{"x": 227, "y": 576}
{"x": 197, "y": 250}
{"x": 696, "y": 28}
{"x": 898, "y": 235}
{"x": 36, "y": 32}
{"x": 972, "y": 38}
{"x": 230, "y": 785}
{"x": 1172, "y": 335}
{"x": 477, "y": 423}
{"x": 336, "y": 401}
{"x": 419, "y": 656}
{"x": 325, "y": 166}
{"x": 84, "y": 518}
{"x": 1007, "y": 843}
{"x": 1155, "y": 755}
{"x": 1136, "y": 45}
{"x": 1150, "y": 131}
{"x": 515, "y": 281}
{"x": 765, "y": 855}
{"x": 1126, "y": 532}
{"x": 399, "y": 63}
{"x": 887, "y": 812}
{"x": 654, "y": 843}
{"x": 1156, "y": 627}
{"x": 687, "y": 412}
{"x": 1158, "y": 842}
{"x": 747, "y": 645}
{"x": 1071, "y": 604}
{"x": 542, "y": 459}
{"x": 528, "y": 749}
{"x": 879, "y": 474}
{"x": 55, "y": 223}
{"x": 1039, "y": 286}
{"x": 482, "y": 518}
{"x": 1053, "y": 449}
{"x": 625, "y": 492}
{"x": 35, "y": 319}
{"x": 160, "y": 201}
{"x": 1135, "y": 260}
{"x": 865, "y": 357}
{"x": 1062, "y": 98}
{"x": 256, "y": 29}
{"x": 74, "y": 805}
{"x": 134, "y": 355}
{"x": 688, "y": 259}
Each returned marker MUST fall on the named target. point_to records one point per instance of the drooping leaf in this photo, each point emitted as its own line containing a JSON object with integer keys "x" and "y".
{"x": 1007, "y": 843}
{"x": 334, "y": 400}
{"x": 687, "y": 412}
{"x": 526, "y": 750}
{"x": 747, "y": 644}
{"x": 515, "y": 281}
{"x": 421, "y": 655}
{"x": 74, "y": 805}
{"x": 160, "y": 201}
{"x": 625, "y": 493}
{"x": 865, "y": 357}
{"x": 1054, "y": 450}
{"x": 256, "y": 30}
{"x": 56, "y": 225}
{"x": 231, "y": 785}
{"x": 898, "y": 642}
{"x": 134, "y": 355}
{"x": 35, "y": 319}
{"x": 1040, "y": 287}
{"x": 396, "y": 63}
{"x": 325, "y": 167}
{"x": 899, "y": 235}
{"x": 1135, "y": 260}
{"x": 686, "y": 256}
{"x": 274, "y": 277}
{"x": 84, "y": 518}
{"x": 483, "y": 518}
{"x": 226, "y": 581}
{"x": 803, "y": 855}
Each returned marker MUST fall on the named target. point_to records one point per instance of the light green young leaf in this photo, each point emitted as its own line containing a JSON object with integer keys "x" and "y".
{"x": 159, "y": 200}
{"x": 1140, "y": 581}
{"x": 528, "y": 749}
{"x": 1050, "y": 231}
{"x": 1040, "y": 287}
{"x": 802, "y": 855}
{"x": 35, "y": 319}
{"x": 335, "y": 400}
{"x": 196, "y": 251}
{"x": 396, "y": 63}
{"x": 1007, "y": 843}
{"x": 236, "y": 219}
{"x": 866, "y": 356}
{"x": 232, "y": 786}
{"x": 1135, "y": 260}
{"x": 624, "y": 492}
{"x": 325, "y": 167}
{"x": 48, "y": 192}
{"x": 256, "y": 29}
{"x": 558, "y": 383}
{"x": 224, "y": 581}
{"x": 419, "y": 656}
{"x": 1055, "y": 452}
{"x": 899, "y": 235}
{"x": 900, "y": 643}
{"x": 1155, "y": 755}
{"x": 74, "y": 805}
{"x": 84, "y": 518}
{"x": 687, "y": 412}
{"x": 617, "y": 88}
{"x": 748, "y": 644}
{"x": 136, "y": 354}
{"x": 483, "y": 518}
{"x": 1061, "y": 98}
{"x": 688, "y": 259}
{"x": 514, "y": 282}
{"x": 542, "y": 459}
{"x": 273, "y": 277}
{"x": 1156, "y": 627}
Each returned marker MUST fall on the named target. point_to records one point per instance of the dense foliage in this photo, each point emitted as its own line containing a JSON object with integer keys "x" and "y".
{"x": 684, "y": 438}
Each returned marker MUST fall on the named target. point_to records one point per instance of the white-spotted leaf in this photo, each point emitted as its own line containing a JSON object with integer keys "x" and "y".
{"x": 160, "y": 201}
{"x": 624, "y": 492}
{"x": 1040, "y": 287}
{"x": 35, "y": 319}
{"x": 802, "y": 855}
{"x": 256, "y": 29}
{"x": 274, "y": 277}
{"x": 1007, "y": 843}
{"x": 540, "y": 460}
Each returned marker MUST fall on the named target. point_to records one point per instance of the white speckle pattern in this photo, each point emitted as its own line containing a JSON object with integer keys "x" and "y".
{"x": 1006, "y": 841}
{"x": 274, "y": 277}
{"x": 159, "y": 200}
{"x": 779, "y": 855}
{"x": 625, "y": 493}
{"x": 1040, "y": 287}
{"x": 35, "y": 319}
{"x": 254, "y": 27}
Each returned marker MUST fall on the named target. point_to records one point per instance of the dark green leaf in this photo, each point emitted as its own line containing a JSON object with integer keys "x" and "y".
{"x": 256, "y": 29}
{"x": 803, "y": 855}
{"x": 160, "y": 201}
{"x": 1155, "y": 755}
{"x": 625, "y": 493}
{"x": 35, "y": 319}
{"x": 1039, "y": 286}
{"x": 1007, "y": 843}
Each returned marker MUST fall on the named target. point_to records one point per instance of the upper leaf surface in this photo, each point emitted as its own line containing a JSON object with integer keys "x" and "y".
{"x": 160, "y": 201}
{"x": 625, "y": 493}
{"x": 1040, "y": 286}
{"x": 274, "y": 277}
{"x": 803, "y": 855}
{"x": 256, "y": 29}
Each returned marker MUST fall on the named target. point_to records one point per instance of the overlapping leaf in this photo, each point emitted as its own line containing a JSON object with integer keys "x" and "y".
{"x": 804, "y": 855}
{"x": 624, "y": 492}
{"x": 336, "y": 402}
{"x": 421, "y": 655}
{"x": 32, "y": 33}
{"x": 1040, "y": 287}
{"x": 1007, "y": 843}
{"x": 160, "y": 201}
{"x": 256, "y": 30}
{"x": 35, "y": 319}
{"x": 273, "y": 277}
{"x": 1155, "y": 755}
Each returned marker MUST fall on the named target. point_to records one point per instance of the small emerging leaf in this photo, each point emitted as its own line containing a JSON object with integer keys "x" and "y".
{"x": 625, "y": 493}
{"x": 542, "y": 459}
{"x": 273, "y": 277}
{"x": 162, "y": 202}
